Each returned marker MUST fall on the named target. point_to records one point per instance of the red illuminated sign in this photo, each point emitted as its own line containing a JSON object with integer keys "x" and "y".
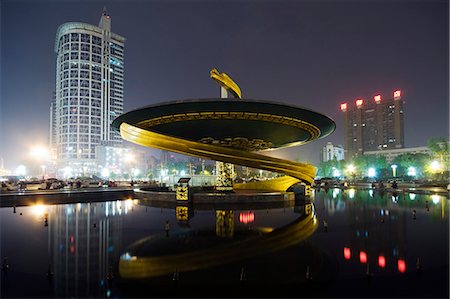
{"x": 344, "y": 107}
{"x": 397, "y": 94}
{"x": 246, "y": 217}
{"x": 363, "y": 257}
{"x": 347, "y": 253}
{"x": 377, "y": 98}
{"x": 359, "y": 102}
{"x": 381, "y": 261}
{"x": 401, "y": 265}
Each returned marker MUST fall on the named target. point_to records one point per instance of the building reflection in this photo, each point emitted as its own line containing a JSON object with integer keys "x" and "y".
{"x": 378, "y": 229}
{"x": 225, "y": 223}
{"x": 84, "y": 242}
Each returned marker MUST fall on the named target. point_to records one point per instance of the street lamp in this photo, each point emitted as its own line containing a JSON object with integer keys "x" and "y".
{"x": 371, "y": 172}
{"x": 412, "y": 171}
{"x": 394, "y": 170}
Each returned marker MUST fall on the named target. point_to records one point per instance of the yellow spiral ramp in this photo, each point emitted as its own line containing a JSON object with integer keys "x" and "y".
{"x": 295, "y": 170}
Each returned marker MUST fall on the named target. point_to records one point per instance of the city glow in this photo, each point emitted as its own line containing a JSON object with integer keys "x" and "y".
{"x": 371, "y": 172}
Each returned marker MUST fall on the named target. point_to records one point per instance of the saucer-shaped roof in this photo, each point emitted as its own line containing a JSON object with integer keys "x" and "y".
{"x": 241, "y": 124}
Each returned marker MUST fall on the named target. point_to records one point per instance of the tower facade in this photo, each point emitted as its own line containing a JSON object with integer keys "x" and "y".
{"x": 373, "y": 125}
{"x": 89, "y": 92}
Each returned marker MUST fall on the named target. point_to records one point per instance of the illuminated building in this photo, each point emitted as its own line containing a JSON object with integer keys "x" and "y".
{"x": 89, "y": 91}
{"x": 331, "y": 152}
{"x": 373, "y": 125}
{"x": 392, "y": 153}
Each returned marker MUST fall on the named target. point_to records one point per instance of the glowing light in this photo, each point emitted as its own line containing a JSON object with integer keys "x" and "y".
{"x": 351, "y": 168}
{"x": 412, "y": 171}
{"x": 371, "y": 172}
{"x": 344, "y": 107}
{"x": 412, "y": 196}
{"x": 182, "y": 173}
{"x": 246, "y": 217}
{"x": 377, "y": 98}
{"x": 401, "y": 265}
{"x": 129, "y": 157}
{"x": 351, "y": 193}
{"x": 347, "y": 253}
{"x": 40, "y": 152}
{"x": 381, "y": 261}
{"x": 359, "y": 102}
{"x": 363, "y": 257}
{"x": 336, "y": 172}
{"x": 397, "y": 94}
{"x": 435, "y": 198}
{"x": 105, "y": 172}
{"x": 394, "y": 170}
{"x": 435, "y": 166}
{"x": 39, "y": 210}
{"x": 21, "y": 170}
{"x": 371, "y": 193}
{"x": 72, "y": 249}
{"x": 336, "y": 192}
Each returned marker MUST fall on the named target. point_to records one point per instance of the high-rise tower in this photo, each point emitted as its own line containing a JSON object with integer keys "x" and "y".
{"x": 89, "y": 92}
{"x": 373, "y": 125}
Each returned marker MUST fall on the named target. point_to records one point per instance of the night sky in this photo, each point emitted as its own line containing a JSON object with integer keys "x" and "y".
{"x": 311, "y": 54}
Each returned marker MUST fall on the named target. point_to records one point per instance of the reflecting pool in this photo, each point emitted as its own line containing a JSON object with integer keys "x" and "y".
{"x": 352, "y": 243}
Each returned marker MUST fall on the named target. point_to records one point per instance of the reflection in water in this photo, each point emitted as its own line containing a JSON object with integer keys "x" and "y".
{"x": 133, "y": 265}
{"x": 224, "y": 223}
{"x": 84, "y": 242}
{"x": 378, "y": 223}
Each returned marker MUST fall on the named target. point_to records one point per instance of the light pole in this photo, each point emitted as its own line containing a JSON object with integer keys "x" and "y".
{"x": 394, "y": 170}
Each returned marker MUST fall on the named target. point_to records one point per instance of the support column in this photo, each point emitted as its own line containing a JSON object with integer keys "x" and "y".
{"x": 224, "y": 179}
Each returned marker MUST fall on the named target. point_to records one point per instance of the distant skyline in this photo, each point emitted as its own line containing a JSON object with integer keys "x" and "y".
{"x": 310, "y": 54}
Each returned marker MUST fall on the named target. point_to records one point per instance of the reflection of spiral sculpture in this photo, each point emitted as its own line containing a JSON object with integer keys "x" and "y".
{"x": 133, "y": 266}
{"x": 230, "y": 131}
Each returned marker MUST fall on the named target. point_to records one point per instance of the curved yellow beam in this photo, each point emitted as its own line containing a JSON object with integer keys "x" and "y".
{"x": 145, "y": 267}
{"x": 300, "y": 171}
{"x": 226, "y": 82}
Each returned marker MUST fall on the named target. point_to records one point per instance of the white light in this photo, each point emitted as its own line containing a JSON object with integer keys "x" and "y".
{"x": 371, "y": 193}
{"x": 435, "y": 198}
{"x": 394, "y": 166}
{"x": 21, "y": 170}
{"x": 182, "y": 173}
{"x": 351, "y": 193}
{"x": 412, "y": 196}
{"x": 336, "y": 192}
{"x": 336, "y": 172}
{"x": 412, "y": 171}
{"x": 435, "y": 166}
{"x": 371, "y": 172}
{"x": 105, "y": 172}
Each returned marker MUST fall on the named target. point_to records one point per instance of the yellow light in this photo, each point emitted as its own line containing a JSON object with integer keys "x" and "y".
{"x": 39, "y": 210}
{"x": 435, "y": 198}
{"x": 351, "y": 193}
{"x": 435, "y": 166}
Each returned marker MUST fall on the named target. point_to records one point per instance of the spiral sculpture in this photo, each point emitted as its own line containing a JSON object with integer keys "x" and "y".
{"x": 237, "y": 131}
